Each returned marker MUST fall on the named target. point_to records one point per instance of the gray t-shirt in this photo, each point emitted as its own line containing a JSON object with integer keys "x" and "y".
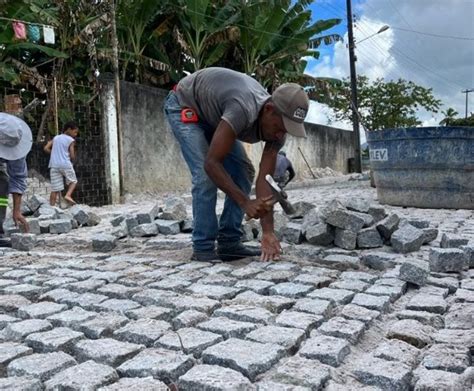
{"x": 223, "y": 94}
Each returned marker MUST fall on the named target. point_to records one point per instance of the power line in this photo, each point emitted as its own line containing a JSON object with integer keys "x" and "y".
{"x": 433, "y": 35}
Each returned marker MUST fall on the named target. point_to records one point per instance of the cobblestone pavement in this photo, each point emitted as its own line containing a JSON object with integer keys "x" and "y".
{"x": 142, "y": 317}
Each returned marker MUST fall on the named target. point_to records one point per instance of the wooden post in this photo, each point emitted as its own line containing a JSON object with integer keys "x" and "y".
{"x": 309, "y": 167}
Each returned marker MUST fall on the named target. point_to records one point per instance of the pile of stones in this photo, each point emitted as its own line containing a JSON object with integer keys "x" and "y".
{"x": 355, "y": 225}
{"x": 47, "y": 219}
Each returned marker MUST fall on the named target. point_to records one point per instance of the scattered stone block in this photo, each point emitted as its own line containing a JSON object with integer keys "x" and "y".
{"x": 118, "y": 220}
{"x": 60, "y": 338}
{"x": 289, "y": 338}
{"x": 380, "y": 260}
{"x": 452, "y": 241}
{"x": 385, "y": 375}
{"x": 329, "y": 350}
{"x": 23, "y": 242}
{"x": 345, "y": 239}
{"x": 396, "y": 350}
{"x": 415, "y": 272}
{"x": 412, "y": 332}
{"x": 429, "y": 303}
{"x": 319, "y": 234}
{"x": 60, "y": 226}
{"x": 35, "y": 201}
{"x": 213, "y": 377}
{"x": 41, "y": 366}
{"x": 106, "y": 350}
{"x": 167, "y": 227}
{"x": 301, "y": 209}
{"x": 340, "y": 261}
{"x": 369, "y": 238}
{"x": 144, "y": 230}
{"x": 447, "y": 259}
{"x": 291, "y": 233}
{"x": 407, "y": 239}
{"x": 163, "y": 364}
{"x": 346, "y": 220}
{"x": 34, "y": 226}
{"x": 302, "y": 372}
{"x": 190, "y": 340}
{"x": 226, "y": 327}
{"x": 469, "y": 252}
{"x": 429, "y": 234}
{"x": 104, "y": 242}
{"x": 86, "y": 376}
{"x": 445, "y": 357}
{"x": 249, "y": 358}
{"x": 377, "y": 212}
{"x": 174, "y": 209}
{"x": 187, "y": 225}
{"x": 388, "y": 226}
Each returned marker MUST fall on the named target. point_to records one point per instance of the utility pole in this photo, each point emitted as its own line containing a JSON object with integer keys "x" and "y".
{"x": 355, "y": 117}
{"x": 467, "y": 91}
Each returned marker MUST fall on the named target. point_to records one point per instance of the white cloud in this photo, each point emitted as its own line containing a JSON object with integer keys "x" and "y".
{"x": 446, "y": 65}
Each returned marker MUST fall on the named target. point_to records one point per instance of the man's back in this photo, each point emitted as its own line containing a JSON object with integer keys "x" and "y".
{"x": 60, "y": 152}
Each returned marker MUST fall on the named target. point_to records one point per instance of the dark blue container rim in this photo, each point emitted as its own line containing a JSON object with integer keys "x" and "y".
{"x": 426, "y": 132}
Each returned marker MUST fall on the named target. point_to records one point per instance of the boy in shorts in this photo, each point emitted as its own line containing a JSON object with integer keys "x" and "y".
{"x": 63, "y": 153}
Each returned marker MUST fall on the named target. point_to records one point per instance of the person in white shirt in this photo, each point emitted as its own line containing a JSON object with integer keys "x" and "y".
{"x": 63, "y": 153}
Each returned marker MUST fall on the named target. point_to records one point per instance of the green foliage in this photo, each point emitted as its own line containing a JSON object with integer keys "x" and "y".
{"x": 383, "y": 104}
{"x": 449, "y": 116}
{"x": 469, "y": 121}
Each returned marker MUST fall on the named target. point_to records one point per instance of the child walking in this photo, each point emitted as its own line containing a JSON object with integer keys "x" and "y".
{"x": 63, "y": 153}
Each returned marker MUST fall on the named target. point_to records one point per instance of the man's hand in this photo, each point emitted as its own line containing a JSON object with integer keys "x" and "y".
{"x": 20, "y": 221}
{"x": 259, "y": 207}
{"x": 271, "y": 248}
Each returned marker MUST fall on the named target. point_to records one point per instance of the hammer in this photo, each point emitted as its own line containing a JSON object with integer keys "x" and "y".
{"x": 280, "y": 195}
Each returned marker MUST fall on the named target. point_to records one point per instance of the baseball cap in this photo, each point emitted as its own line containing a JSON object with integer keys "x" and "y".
{"x": 293, "y": 103}
{"x": 15, "y": 137}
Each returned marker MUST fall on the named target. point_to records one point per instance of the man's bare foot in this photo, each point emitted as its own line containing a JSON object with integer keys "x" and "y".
{"x": 70, "y": 200}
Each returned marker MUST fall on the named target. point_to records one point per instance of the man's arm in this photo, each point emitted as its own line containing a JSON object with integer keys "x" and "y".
{"x": 221, "y": 145}
{"x": 72, "y": 151}
{"x": 48, "y": 147}
{"x": 18, "y": 172}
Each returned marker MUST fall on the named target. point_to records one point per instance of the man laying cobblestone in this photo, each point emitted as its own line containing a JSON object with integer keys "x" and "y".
{"x": 210, "y": 113}
{"x": 15, "y": 143}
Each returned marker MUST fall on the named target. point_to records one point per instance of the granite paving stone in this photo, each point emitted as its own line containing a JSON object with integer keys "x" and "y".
{"x": 396, "y": 350}
{"x": 246, "y": 272}
{"x": 190, "y": 340}
{"x": 72, "y": 318}
{"x": 464, "y": 296}
{"x": 269, "y": 385}
{"x": 85, "y": 285}
{"x": 302, "y": 372}
{"x": 120, "y": 306}
{"x": 226, "y": 327}
{"x": 428, "y": 318}
{"x": 87, "y": 301}
{"x": 393, "y": 292}
{"x": 340, "y": 261}
{"x": 138, "y": 384}
{"x": 429, "y": 380}
{"x": 415, "y": 271}
{"x": 213, "y": 378}
{"x": 7, "y": 282}
{"x": 20, "y": 384}
{"x": 460, "y": 316}
{"x": 276, "y": 276}
{"x": 59, "y": 338}
{"x": 318, "y": 281}
{"x": 214, "y": 291}
{"x": 162, "y": 364}
{"x": 202, "y": 304}
{"x": 289, "y": 338}
{"x": 189, "y": 318}
{"x": 151, "y": 312}
{"x": 40, "y": 310}
{"x": 248, "y": 357}
{"x": 377, "y": 303}
{"x": 454, "y": 337}
{"x": 106, "y": 351}
{"x": 314, "y": 306}
{"x": 11, "y": 303}
{"x": 10, "y": 351}
{"x": 385, "y": 375}
{"x": 170, "y": 283}
{"x": 446, "y": 357}
{"x": 102, "y": 325}
{"x": 447, "y": 259}
{"x": 86, "y": 376}
{"x": 6, "y": 319}
{"x": 362, "y": 276}
{"x": 142, "y": 331}
{"x": 412, "y": 332}
{"x": 329, "y": 350}
{"x": 258, "y": 286}
{"x": 20, "y": 330}
{"x": 41, "y": 366}
{"x": 158, "y": 297}
{"x": 118, "y": 291}
{"x": 245, "y": 313}
{"x": 290, "y": 289}
{"x": 219, "y": 279}
{"x": 350, "y": 285}
{"x": 379, "y": 260}
{"x": 434, "y": 290}
{"x": 429, "y": 303}
{"x": 336, "y": 296}
{"x": 274, "y": 303}
{"x": 59, "y": 295}
{"x": 340, "y": 327}
{"x": 362, "y": 314}
{"x": 299, "y": 320}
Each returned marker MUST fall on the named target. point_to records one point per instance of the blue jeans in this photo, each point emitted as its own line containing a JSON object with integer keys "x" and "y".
{"x": 194, "y": 139}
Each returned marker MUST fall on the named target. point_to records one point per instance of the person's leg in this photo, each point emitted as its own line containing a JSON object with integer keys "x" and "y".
{"x": 57, "y": 185}
{"x": 4, "y": 242}
{"x": 194, "y": 146}
{"x": 71, "y": 182}
{"x": 53, "y": 197}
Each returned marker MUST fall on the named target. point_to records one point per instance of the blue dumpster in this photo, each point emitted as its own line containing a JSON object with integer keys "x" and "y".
{"x": 430, "y": 167}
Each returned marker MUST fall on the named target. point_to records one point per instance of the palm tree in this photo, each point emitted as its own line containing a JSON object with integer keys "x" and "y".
{"x": 449, "y": 115}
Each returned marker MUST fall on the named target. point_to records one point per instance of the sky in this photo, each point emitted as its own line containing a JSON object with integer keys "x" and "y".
{"x": 430, "y": 42}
